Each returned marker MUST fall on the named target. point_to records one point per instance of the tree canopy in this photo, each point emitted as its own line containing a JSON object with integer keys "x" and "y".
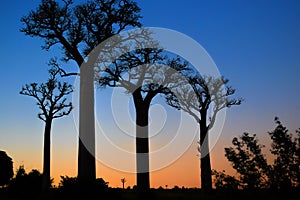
{"x": 79, "y": 28}
{"x": 254, "y": 170}
{"x": 50, "y": 96}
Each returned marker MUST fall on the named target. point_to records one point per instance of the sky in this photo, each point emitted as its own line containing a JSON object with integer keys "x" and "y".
{"x": 255, "y": 44}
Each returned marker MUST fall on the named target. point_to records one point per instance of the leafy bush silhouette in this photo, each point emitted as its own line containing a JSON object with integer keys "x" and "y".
{"x": 248, "y": 160}
{"x": 6, "y": 168}
{"x": 72, "y": 184}
{"x": 68, "y": 183}
{"x": 223, "y": 181}
{"x": 251, "y": 164}
{"x": 26, "y": 185}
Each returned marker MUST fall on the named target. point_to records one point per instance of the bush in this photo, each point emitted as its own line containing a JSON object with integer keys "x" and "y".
{"x": 26, "y": 185}
{"x": 72, "y": 184}
{"x": 6, "y": 168}
{"x": 224, "y": 181}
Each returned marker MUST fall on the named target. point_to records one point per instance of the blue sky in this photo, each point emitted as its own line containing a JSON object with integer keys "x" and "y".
{"x": 255, "y": 44}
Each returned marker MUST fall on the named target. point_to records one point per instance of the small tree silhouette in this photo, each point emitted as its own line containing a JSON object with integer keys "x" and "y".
{"x": 51, "y": 100}
{"x": 123, "y": 180}
{"x": 6, "y": 168}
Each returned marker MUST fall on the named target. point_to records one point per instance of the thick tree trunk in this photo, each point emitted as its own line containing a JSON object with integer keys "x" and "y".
{"x": 142, "y": 144}
{"x": 47, "y": 151}
{"x": 205, "y": 165}
{"x": 86, "y": 149}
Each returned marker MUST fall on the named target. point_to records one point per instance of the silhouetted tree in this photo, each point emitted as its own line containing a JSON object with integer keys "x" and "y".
{"x": 254, "y": 171}
{"x": 51, "y": 100}
{"x": 204, "y": 94}
{"x": 247, "y": 159}
{"x": 149, "y": 72}
{"x": 6, "y": 168}
{"x": 123, "y": 180}
{"x": 79, "y": 29}
{"x": 286, "y": 167}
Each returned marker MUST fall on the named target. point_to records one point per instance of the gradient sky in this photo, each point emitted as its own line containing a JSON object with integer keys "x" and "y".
{"x": 255, "y": 44}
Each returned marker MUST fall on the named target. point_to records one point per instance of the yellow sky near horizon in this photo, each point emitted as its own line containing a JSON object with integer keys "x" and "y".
{"x": 183, "y": 172}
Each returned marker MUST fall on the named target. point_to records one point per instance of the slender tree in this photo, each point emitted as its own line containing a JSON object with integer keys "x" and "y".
{"x": 51, "y": 100}
{"x": 123, "y": 180}
{"x": 202, "y": 95}
{"x": 78, "y": 29}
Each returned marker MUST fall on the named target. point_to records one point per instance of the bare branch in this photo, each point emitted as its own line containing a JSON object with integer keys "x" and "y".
{"x": 49, "y": 96}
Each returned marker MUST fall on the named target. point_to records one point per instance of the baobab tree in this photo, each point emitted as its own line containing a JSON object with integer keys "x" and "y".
{"x": 144, "y": 73}
{"x": 52, "y": 101}
{"x": 203, "y": 98}
{"x": 78, "y": 29}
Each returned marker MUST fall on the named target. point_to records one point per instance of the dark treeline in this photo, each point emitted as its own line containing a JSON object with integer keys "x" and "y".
{"x": 256, "y": 177}
{"x": 28, "y": 185}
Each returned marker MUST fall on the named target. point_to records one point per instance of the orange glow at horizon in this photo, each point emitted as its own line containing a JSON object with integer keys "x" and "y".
{"x": 185, "y": 171}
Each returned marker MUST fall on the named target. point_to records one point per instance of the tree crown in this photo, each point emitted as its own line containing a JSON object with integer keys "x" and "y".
{"x": 50, "y": 96}
{"x": 79, "y": 28}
